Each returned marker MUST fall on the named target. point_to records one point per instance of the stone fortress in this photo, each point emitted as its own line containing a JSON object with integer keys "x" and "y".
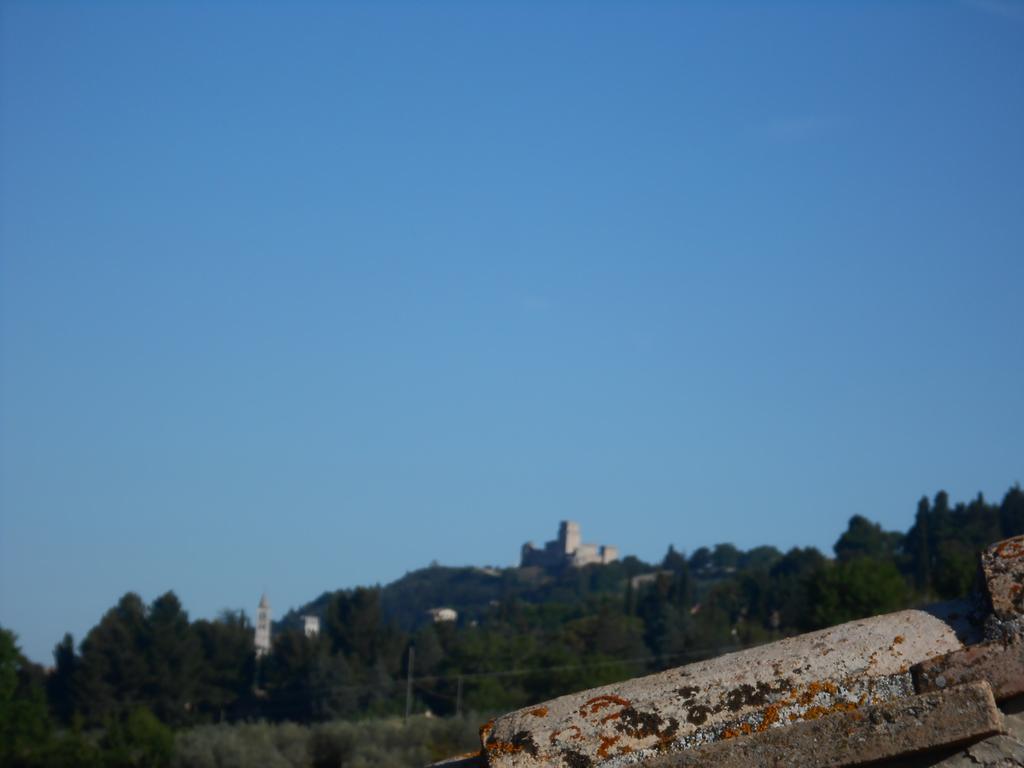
{"x": 567, "y": 550}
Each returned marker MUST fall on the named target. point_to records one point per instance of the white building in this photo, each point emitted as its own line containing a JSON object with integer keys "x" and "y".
{"x": 438, "y": 615}
{"x": 311, "y": 625}
{"x": 262, "y": 641}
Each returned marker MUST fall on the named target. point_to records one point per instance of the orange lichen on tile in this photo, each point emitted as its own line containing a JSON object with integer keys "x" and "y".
{"x": 771, "y": 716}
{"x": 1011, "y": 548}
{"x": 539, "y": 712}
{"x": 814, "y": 713}
{"x": 598, "y": 703}
{"x": 814, "y": 688}
{"x": 578, "y": 735}
{"x": 503, "y": 748}
{"x": 607, "y": 742}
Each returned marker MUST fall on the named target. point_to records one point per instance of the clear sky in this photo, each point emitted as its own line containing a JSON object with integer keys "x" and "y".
{"x": 298, "y": 296}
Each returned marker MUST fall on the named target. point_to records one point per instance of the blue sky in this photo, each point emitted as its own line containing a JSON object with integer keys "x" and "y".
{"x": 297, "y": 296}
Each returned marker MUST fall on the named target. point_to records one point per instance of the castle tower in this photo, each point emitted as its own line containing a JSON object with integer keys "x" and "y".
{"x": 262, "y": 641}
{"x": 569, "y": 536}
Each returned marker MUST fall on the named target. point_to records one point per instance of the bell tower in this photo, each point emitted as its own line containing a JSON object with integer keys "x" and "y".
{"x": 262, "y": 641}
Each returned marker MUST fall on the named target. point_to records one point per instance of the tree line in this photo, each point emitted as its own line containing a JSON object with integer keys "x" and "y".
{"x": 146, "y": 671}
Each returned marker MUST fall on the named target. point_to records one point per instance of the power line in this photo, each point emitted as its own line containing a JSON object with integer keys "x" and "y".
{"x": 693, "y": 653}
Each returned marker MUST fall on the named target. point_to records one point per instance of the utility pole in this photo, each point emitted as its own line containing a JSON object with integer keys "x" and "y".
{"x": 408, "y": 683}
{"x": 458, "y": 698}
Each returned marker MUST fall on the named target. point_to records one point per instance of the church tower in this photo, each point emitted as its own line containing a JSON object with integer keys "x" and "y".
{"x": 262, "y": 641}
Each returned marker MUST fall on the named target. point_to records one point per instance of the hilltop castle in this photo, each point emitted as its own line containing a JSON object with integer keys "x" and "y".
{"x": 567, "y": 549}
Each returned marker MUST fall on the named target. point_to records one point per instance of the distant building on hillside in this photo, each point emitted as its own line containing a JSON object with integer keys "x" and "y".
{"x": 262, "y": 641}
{"x": 438, "y": 615}
{"x": 642, "y": 579}
{"x": 567, "y": 549}
{"x": 311, "y": 625}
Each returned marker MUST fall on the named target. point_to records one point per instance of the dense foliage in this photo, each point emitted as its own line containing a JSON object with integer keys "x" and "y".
{"x": 379, "y": 743}
{"x": 145, "y": 672}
